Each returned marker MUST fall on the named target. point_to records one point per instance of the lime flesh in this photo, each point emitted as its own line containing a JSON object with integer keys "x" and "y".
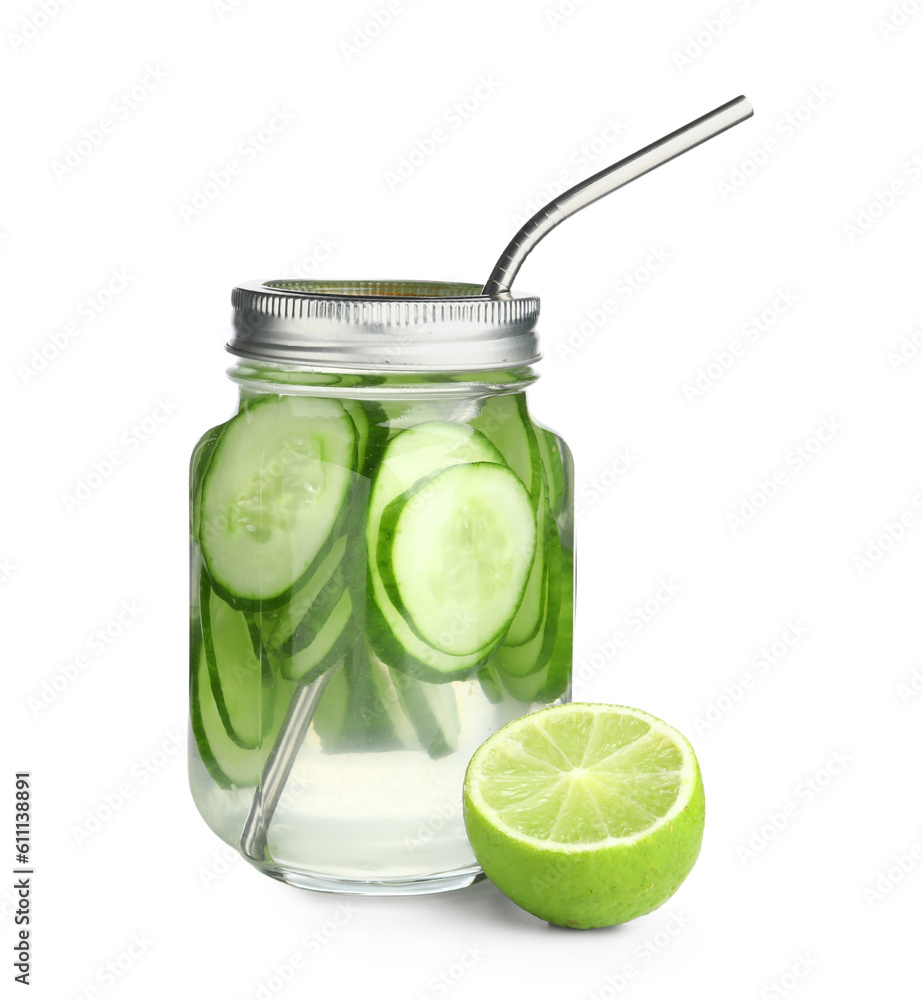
{"x": 584, "y": 814}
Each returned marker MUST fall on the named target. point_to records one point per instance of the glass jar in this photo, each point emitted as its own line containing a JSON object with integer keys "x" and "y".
{"x": 381, "y": 576}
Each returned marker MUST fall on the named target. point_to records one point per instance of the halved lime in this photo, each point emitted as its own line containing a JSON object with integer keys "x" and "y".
{"x": 585, "y": 815}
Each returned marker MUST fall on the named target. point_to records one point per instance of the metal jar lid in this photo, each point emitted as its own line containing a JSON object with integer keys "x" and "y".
{"x": 411, "y": 325}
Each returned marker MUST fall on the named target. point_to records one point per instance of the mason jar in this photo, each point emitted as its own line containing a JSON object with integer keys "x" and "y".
{"x": 381, "y": 576}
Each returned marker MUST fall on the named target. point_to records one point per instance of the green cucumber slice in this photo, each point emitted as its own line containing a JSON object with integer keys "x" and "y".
{"x": 411, "y": 455}
{"x": 369, "y": 723}
{"x": 362, "y": 430}
{"x": 490, "y": 683}
{"x": 198, "y": 466}
{"x": 242, "y": 689}
{"x": 504, "y": 421}
{"x": 530, "y": 658}
{"x": 331, "y": 713}
{"x": 332, "y": 640}
{"x": 455, "y": 553}
{"x": 423, "y": 715}
{"x": 317, "y": 595}
{"x": 530, "y": 613}
{"x": 560, "y": 665}
{"x": 552, "y": 461}
{"x": 229, "y": 764}
{"x": 275, "y": 490}
{"x": 433, "y": 712}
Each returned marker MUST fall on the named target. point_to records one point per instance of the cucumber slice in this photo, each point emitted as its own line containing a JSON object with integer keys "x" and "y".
{"x": 504, "y": 421}
{"x": 330, "y": 716}
{"x": 198, "y": 465}
{"x": 317, "y": 595}
{"x": 552, "y": 461}
{"x": 455, "y": 553}
{"x": 433, "y": 712}
{"x": 530, "y": 614}
{"x": 410, "y": 456}
{"x": 229, "y": 764}
{"x": 559, "y": 667}
{"x": 332, "y": 640}
{"x": 369, "y": 725}
{"x": 362, "y": 430}
{"x": 242, "y": 689}
{"x": 423, "y": 715}
{"x": 390, "y": 699}
{"x": 275, "y": 490}
{"x": 530, "y": 658}
{"x": 490, "y": 683}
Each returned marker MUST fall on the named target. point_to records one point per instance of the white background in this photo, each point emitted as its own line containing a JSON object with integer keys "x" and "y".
{"x": 811, "y": 769}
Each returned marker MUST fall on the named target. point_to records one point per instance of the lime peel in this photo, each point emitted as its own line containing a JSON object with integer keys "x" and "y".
{"x": 542, "y": 795}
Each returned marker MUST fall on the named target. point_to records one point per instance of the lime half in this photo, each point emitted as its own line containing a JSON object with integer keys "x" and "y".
{"x": 585, "y": 815}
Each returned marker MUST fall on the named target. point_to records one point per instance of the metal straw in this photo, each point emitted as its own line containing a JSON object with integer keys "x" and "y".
{"x": 608, "y": 180}
{"x": 254, "y": 838}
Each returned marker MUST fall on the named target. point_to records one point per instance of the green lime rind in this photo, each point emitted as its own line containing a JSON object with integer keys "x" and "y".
{"x": 584, "y": 880}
